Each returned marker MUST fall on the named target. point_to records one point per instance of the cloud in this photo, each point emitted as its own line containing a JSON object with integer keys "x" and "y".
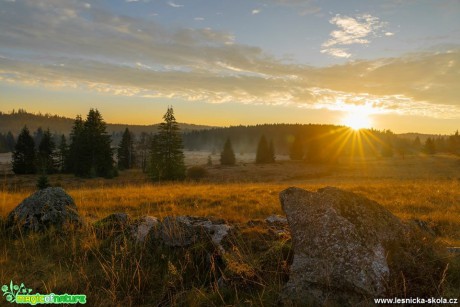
{"x": 389, "y": 34}
{"x": 60, "y": 44}
{"x": 172, "y": 4}
{"x": 351, "y": 30}
{"x": 255, "y": 12}
{"x": 198, "y": 18}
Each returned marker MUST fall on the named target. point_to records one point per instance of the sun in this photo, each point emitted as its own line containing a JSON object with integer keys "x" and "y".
{"x": 357, "y": 119}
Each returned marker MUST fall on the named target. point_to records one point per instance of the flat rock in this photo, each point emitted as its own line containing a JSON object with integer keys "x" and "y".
{"x": 182, "y": 231}
{"x": 48, "y": 208}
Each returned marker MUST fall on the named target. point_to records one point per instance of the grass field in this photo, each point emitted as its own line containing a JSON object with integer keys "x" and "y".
{"x": 426, "y": 188}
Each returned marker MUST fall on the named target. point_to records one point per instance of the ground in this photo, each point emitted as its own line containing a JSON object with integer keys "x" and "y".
{"x": 421, "y": 187}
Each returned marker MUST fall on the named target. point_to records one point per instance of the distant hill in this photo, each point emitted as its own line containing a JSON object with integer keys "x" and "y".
{"x": 15, "y": 121}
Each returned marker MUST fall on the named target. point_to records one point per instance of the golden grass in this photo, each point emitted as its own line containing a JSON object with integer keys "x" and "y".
{"x": 122, "y": 275}
{"x": 435, "y": 201}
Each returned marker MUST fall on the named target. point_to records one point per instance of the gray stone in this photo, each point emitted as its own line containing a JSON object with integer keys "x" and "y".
{"x": 112, "y": 225}
{"x": 339, "y": 240}
{"x": 47, "y": 208}
{"x": 182, "y": 231}
{"x": 142, "y": 227}
{"x": 276, "y": 219}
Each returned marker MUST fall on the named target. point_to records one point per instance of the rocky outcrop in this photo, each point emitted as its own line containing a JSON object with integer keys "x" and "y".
{"x": 45, "y": 209}
{"x": 345, "y": 247}
{"x": 183, "y": 231}
{"x": 172, "y": 231}
{"x": 112, "y": 225}
{"x": 143, "y": 227}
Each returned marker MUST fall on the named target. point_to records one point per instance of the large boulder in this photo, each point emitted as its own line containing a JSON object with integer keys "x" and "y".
{"x": 48, "y": 208}
{"x": 347, "y": 248}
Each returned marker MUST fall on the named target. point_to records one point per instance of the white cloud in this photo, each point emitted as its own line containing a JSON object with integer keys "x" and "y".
{"x": 351, "y": 30}
{"x": 198, "y": 18}
{"x": 337, "y": 52}
{"x": 254, "y": 12}
{"x": 104, "y": 52}
{"x": 389, "y": 34}
{"x": 172, "y": 4}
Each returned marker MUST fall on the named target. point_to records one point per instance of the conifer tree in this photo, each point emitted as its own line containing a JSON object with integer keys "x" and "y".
{"x": 263, "y": 153}
{"x": 97, "y": 153}
{"x": 46, "y": 153}
{"x": 430, "y": 146}
{"x": 126, "y": 155}
{"x": 23, "y": 159}
{"x": 166, "y": 155}
{"x": 227, "y": 156}
{"x": 90, "y": 154}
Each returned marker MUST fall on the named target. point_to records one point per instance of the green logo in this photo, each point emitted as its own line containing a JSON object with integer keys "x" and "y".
{"x": 22, "y": 295}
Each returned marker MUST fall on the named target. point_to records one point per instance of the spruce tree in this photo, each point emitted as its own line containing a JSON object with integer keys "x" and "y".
{"x": 46, "y": 153}
{"x": 126, "y": 155}
{"x": 166, "y": 155}
{"x": 97, "y": 153}
{"x": 296, "y": 150}
{"x": 90, "y": 154}
{"x": 23, "y": 159}
{"x": 430, "y": 146}
{"x": 263, "y": 154}
{"x": 227, "y": 156}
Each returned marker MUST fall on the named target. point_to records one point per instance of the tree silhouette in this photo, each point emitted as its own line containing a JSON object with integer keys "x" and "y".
{"x": 23, "y": 158}
{"x": 90, "y": 154}
{"x": 166, "y": 155}
{"x": 429, "y": 147}
{"x": 46, "y": 153}
{"x": 265, "y": 152}
{"x": 126, "y": 155}
{"x": 227, "y": 156}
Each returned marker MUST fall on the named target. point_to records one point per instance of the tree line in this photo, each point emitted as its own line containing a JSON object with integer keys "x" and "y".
{"x": 88, "y": 150}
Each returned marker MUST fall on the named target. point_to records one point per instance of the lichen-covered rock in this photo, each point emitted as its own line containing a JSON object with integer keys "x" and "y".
{"x": 112, "y": 225}
{"x": 181, "y": 231}
{"x": 142, "y": 227}
{"x": 48, "y": 208}
{"x": 276, "y": 220}
{"x": 342, "y": 243}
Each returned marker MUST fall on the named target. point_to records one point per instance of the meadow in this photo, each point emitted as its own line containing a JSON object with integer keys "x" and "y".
{"x": 425, "y": 188}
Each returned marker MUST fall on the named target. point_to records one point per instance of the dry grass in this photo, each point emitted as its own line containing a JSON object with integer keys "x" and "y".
{"x": 118, "y": 274}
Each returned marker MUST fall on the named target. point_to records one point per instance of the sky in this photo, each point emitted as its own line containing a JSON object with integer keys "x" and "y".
{"x": 386, "y": 64}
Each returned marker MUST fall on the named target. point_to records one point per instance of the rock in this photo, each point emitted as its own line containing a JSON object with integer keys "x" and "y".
{"x": 182, "y": 231}
{"x": 112, "y": 225}
{"x": 47, "y": 208}
{"x": 142, "y": 227}
{"x": 276, "y": 219}
{"x": 342, "y": 243}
